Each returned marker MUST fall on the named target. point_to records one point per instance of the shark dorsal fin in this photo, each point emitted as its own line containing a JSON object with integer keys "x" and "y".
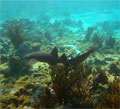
{"x": 54, "y": 52}
{"x": 63, "y": 57}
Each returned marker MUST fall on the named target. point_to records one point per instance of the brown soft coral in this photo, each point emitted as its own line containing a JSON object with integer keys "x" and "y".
{"x": 15, "y": 36}
{"x": 46, "y": 99}
{"x": 115, "y": 68}
{"x": 72, "y": 85}
{"x": 14, "y": 101}
{"x": 111, "y": 100}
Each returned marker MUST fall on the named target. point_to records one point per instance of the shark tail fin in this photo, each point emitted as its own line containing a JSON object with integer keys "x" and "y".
{"x": 86, "y": 55}
{"x": 79, "y": 59}
{"x": 54, "y": 52}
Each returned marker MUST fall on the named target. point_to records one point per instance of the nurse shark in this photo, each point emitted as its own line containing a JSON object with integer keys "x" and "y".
{"x": 52, "y": 57}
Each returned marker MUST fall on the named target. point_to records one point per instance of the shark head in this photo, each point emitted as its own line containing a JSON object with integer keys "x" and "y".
{"x": 49, "y": 57}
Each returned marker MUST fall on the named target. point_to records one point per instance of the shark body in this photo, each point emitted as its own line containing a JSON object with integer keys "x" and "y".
{"x": 52, "y": 57}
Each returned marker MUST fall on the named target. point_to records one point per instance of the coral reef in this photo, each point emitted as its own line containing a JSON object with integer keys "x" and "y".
{"x": 88, "y": 33}
{"x": 97, "y": 83}
{"x": 46, "y": 99}
{"x": 107, "y": 27}
{"x": 23, "y": 49}
{"x": 97, "y": 40}
{"x": 4, "y": 68}
{"x": 35, "y": 46}
{"x": 72, "y": 85}
{"x": 115, "y": 68}
{"x": 17, "y": 66}
{"x": 110, "y": 42}
{"x": 88, "y": 85}
{"x": 47, "y": 35}
{"x": 15, "y": 36}
{"x": 29, "y": 90}
{"x": 14, "y": 101}
{"x": 111, "y": 99}
{"x": 5, "y": 48}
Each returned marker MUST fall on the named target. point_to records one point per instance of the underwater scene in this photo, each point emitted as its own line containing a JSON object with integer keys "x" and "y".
{"x": 59, "y": 54}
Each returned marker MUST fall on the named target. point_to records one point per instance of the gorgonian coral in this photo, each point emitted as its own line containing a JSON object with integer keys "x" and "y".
{"x": 115, "y": 68}
{"x": 111, "y": 100}
{"x": 15, "y": 36}
{"x": 110, "y": 42}
{"x": 72, "y": 85}
{"x": 88, "y": 33}
{"x": 97, "y": 39}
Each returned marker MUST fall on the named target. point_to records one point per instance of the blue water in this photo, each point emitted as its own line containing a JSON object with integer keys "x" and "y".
{"x": 90, "y": 12}
{"x": 87, "y": 10}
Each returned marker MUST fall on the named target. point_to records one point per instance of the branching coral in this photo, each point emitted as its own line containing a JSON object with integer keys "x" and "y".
{"x": 15, "y": 36}
{"x": 72, "y": 85}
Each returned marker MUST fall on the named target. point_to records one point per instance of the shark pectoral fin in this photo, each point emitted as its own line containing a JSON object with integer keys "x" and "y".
{"x": 54, "y": 52}
{"x": 32, "y": 61}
